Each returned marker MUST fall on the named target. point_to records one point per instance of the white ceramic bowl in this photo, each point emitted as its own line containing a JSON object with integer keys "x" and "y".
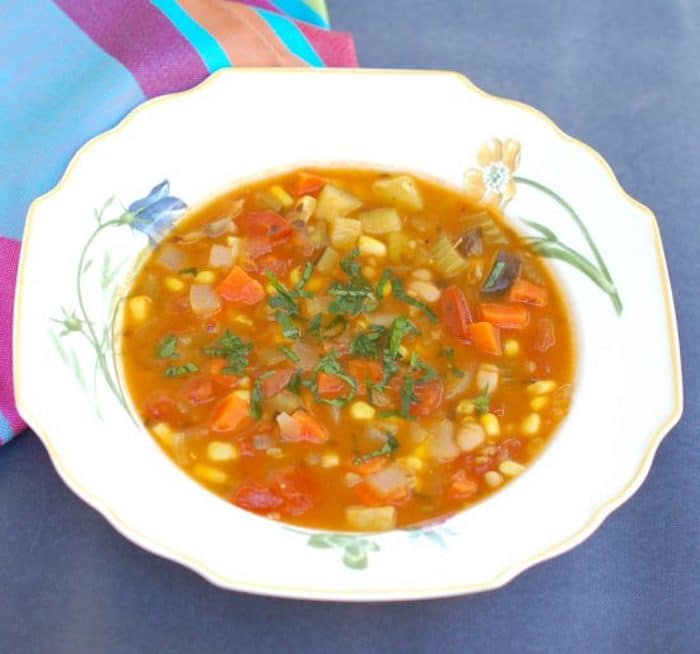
{"x": 242, "y": 123}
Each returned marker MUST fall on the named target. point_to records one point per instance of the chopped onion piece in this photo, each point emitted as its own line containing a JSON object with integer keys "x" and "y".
{"x": 290, "y": 429}
{"x": 388, "y": 481}
{"x": 308, "y": 355}
{"x": 204, "y": 299}
{"x": 221, "y": 256}
{"x": 443, "y": 447}
{"x": 456, "y": 386}
{"x": 172, "y": 258}
{"x": 262, "y": 441}
{"x": 218, "y": 227}
{"x": 371, "y": 518}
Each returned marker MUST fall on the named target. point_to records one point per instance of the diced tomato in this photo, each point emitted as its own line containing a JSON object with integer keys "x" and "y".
{"x": 311, "y": 429}
{"x": 456, "y": 313}
{"x": 308, "y": 184}
{"x": 506, "y": 316}
{"x": 160, "y": 406}
{"x": 256, "y": 497}
{"x": 273, "y": 264}
{"x": 462, "y": 487}
{"x": 277, "y": 381}
{"x": 330, "y": 386}
{"x": 257, "y": 246}
{"x": 429, "y": 397}
{"x": 216, "y": 367}
{"x": 199, "y": 390}
{"x": 486, "y": 337}
{"x": 361, "y": 370}
{"x": 268, "y": 224}
{"x": 238, "y": 286}
{"x": 233, "y": 413}
{"x": 528, "y": 293}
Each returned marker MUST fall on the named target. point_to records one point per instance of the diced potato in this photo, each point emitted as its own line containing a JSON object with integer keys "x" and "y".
{"x": 380, "y": 221}
{"x": 330, "y": 460}
{"x": 371, "y": 247}
{"x": 140, "y": 308}
{"x": 303, "y": 209}
{"x": 487, "y": 378}
{"x": 222, "y": 451}
{"x": 281, "y": 196}
{"x": 362, "y": 411}
{"x": 328, "y": 261}
{"x": 334, "y": 203}
{"x": 345, "y": 232}
{"x": 470, "y": 436}
{"x": 207, "y": 473}
{"x": 398, "y": 246}
{"x": 221, "y": 256}
{"x": 371, "y": 518}
{"x": 399, "y": 189}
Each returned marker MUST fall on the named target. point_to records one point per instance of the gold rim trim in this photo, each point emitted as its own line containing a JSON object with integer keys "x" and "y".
{"x": 162, "y": 549}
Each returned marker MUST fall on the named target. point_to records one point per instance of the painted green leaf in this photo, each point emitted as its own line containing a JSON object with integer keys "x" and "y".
{"x": 545, "y": 231}
{"x": 320, "y": 541}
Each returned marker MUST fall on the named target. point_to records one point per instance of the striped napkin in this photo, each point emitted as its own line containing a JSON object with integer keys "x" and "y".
{"x": 70, "y": 69}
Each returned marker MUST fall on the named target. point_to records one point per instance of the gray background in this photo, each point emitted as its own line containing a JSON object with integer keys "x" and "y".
{"x": 621, "y": 75}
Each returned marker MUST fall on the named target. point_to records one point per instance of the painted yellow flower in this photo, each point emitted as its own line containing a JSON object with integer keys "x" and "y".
{"x": 492, "y": 182}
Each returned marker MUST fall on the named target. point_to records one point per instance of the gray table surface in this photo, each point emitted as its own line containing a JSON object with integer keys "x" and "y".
{"x": 623, "y": 76}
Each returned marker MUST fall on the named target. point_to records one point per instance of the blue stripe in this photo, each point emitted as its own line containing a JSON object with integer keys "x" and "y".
{"x": 300, "y": 11}
{"x": 64, "y": 90}
{"x": 212, "y": 54}
{"x": 5, "y": 431}
{"x": 292, "y": 37}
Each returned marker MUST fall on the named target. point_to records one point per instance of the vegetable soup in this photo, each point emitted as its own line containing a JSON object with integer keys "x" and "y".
{"x": 348, "y": 349}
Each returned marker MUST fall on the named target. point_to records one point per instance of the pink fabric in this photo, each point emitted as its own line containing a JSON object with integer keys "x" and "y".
{"x": 9, "y": 256}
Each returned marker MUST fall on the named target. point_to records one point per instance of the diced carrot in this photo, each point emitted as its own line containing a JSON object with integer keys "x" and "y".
{"x": 330, "y": 386}
{"x": 528, "y": 293}
{"x": 361, "y": 370}
{"x": 370, "y": 465}
{"x": 216, "y": 367}
{"x": 455, "y": 312}
{"x": 267, "y": 224}
{"x": 308, "y": 184}
{"x": 462, "y": 487}
{"x": 485, "y": 337}
{"x": 311, "y": 429}
{"x": 506, "y": 316}
{"x": 238, "y": 286}
{"x": 277, "y": 381}
{"x": 429, "y": 398}
{"x": 231, "y": 414}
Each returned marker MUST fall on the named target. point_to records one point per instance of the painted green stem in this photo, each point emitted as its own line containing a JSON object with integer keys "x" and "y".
{"x": 614, "y": 296}
{"x": 91, "y": 335}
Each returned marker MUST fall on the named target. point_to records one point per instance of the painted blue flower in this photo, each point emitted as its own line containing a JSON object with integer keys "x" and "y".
{"x": 155, "y": 214}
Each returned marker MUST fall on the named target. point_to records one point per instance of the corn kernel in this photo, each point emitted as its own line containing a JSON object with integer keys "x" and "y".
{"x": 243, "y": 394}
{"x": 510, "y": 468}
{"x": 163, "y": 432}
{"x": 314, "y": 284}
{"x": 207, "y": 473}
{"x": 174, "y": 284}
{"x": 493, "y": 478}
{"x": 371, "y": 247}
{"x": 140, "y": 308}
{"x": 205, "y": 277}
{"x": 465, "y": 408}
{"x": 489, "y": 421}
{"x": 281, "y": 196}
{"x": 244, "y": 321}
{"x": 330, "y": 460}
{"x": 295, "y": 276}
{"x": 221, "y": 451}
{"x": 362, "y": 323}
{"x": 511, "y": 348}
{"x": 538, "y": 403}
{"x": 386, "y": 290}
{"x": 403, "y": 352}
{"x": 412, "y": 463}
{"x": 362, "y": 411}
{"x": 531, "y": 424}
{"x": 541, "y": 387}
{"x": 270, "y": 289}
{"x": 243, "y": 382}
{"x": 275, "y": 452}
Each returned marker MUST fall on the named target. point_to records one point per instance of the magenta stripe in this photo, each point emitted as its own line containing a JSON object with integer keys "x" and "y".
{"x": 335, "y": 48}
{"x": 260, "y": 4}
{"x": 133, "y": 31}
{"x": 9, "y": 256}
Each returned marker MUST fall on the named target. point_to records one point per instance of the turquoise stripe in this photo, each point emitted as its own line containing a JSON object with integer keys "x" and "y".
{"x": 5, "y": 430}
{"x": 299, "y": 10}
{"x": 64, "y": 90}
{"x": 212, "y": 54}
{"x": 292, "y": 37}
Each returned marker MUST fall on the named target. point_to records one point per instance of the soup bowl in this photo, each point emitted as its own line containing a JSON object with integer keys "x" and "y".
{"x": 82, "y": 247}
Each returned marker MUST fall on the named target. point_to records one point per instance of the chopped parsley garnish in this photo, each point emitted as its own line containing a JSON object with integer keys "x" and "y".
{"x": 354, "y": 296}
{"x": 481, "y": 402}
{"x": 314, "y": 326}
{"x": 167, "y": 348}
{"x": 289, "y": 328}
{"x": 331, "y": 366}
{"x": 367, "y": 344}
{"x": 181, "y": 371}
{"x": 232, "y": 348}
{"x": 256, "y": 395}
{"x": 286, "y": 301}
{"x": 449, "y": 354}
{"x": 289, "y": 353}
{"x": 294, "y": 384}
{"x": 408, "y": 396}
{"x": 429, "y": 373}
{"x": 189, "y": 271}
{"x": 389, "y": 447}
{"x": 335, "y": 327}
{"x": 401, "y": 294}
{"x": 400, "y": 328}
{"x": 383, "y": 281}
